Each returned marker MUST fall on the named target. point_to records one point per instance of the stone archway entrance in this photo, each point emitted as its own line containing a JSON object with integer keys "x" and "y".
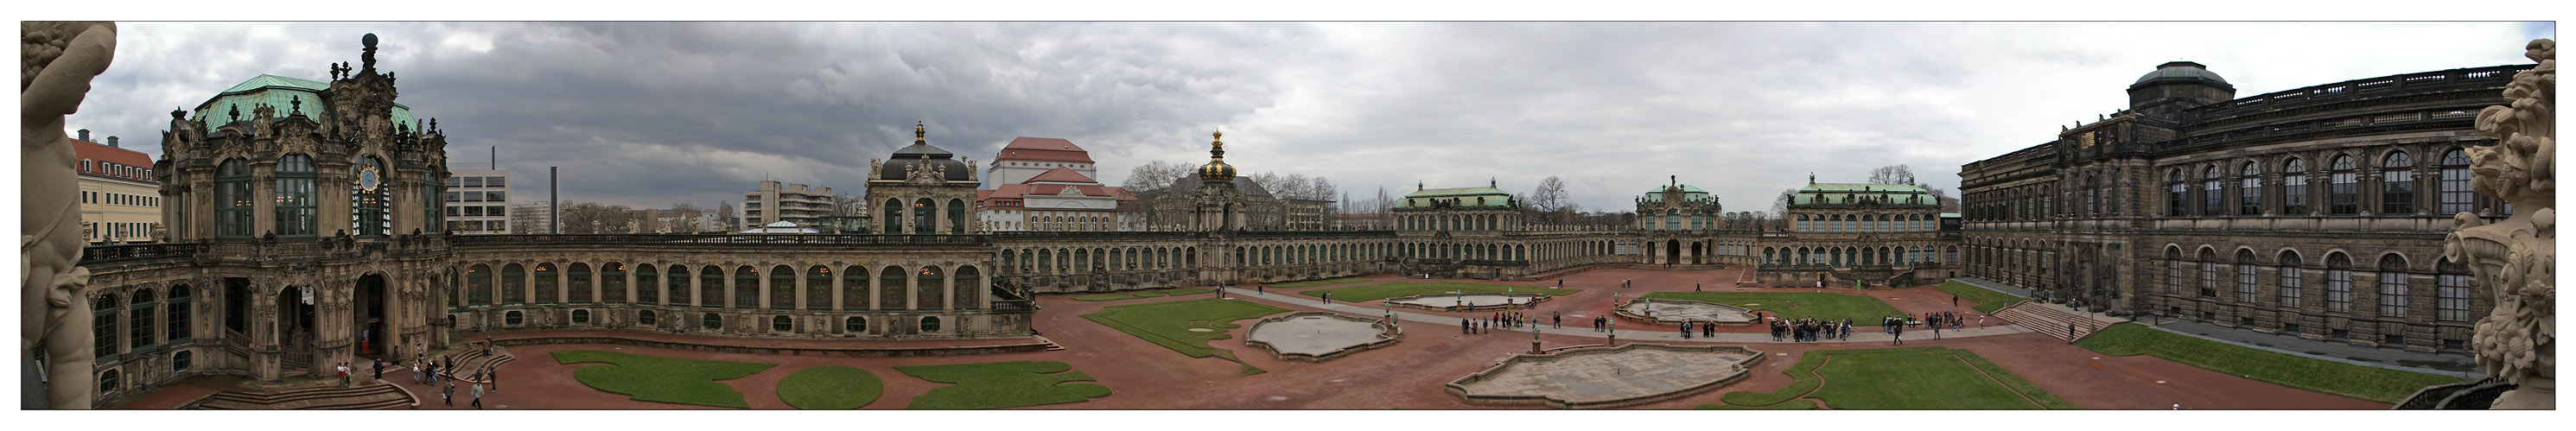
{"x": 1697, "y": 251}
{"x": 295, "y": 330}
{"x": 1672, "y": 251}
{"x": 371, "y": 328}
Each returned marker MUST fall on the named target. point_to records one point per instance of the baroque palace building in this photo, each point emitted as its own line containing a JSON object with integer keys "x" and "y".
{"x": 1861, "y": 234}
{"x": 2317, "y": 212}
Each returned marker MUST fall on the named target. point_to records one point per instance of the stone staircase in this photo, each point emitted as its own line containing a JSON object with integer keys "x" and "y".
{"x": 475, "y": 359}
{"x": 363, "y": 397}
{"x": 2052, "y": 319}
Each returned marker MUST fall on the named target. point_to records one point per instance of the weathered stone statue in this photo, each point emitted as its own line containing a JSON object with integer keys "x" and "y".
{"x": 56, "y": 63}
{"x": 2514, "y": 260}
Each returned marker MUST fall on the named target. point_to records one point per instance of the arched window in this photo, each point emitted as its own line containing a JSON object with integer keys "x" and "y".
{"x": 2343, "y": 187}
{"x": 367, "y": 201}
{"x": 2174, "y": 197}
{"x": 295, "y": 213}
{"x": 2173, "y": 270}
{"x": 2294, "y": 188}
{"x": 612, "y": 283}
{"x": 711, "y": 287}
{"x": 956, "y": 216}
{"x": 430, "y": 190}
{"x": 577, "y": 283}
{"x": 545, "y": 282}
{"x": 232, "y": 199}
{"x": 514, "y": 280}
{"x": 138, "y": 325}
{"x": 2456, "y": 196}
{"x": 970, "y": 287}
{"x": 782, "y": 287}
{"x": 2392, "y": 286}
{"x": 478, "y": 285}
{"x": 893, "y": 217}
{"x": 2338, "y": 283}
{"x": 818, "y": 288}
{"x": 892, "y": 283}
{"x": 2213, "y": 196}
{"x": 103, "y": 326}
{"x": 2293, "y": 283}
{"x": 178, "y": 314}
{"x": 2397, "y": 184}
{"x": 746, "y": 287}
{"x": 648, "y": 285}
{"x": 2249, "y": 189}
{"x": 2245, "y": 276}
{"x": 924, "y": 216}
{"x": 2451, "y": 292}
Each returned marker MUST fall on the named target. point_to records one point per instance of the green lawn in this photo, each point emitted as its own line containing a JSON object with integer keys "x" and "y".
{"x": 1135, "y": 295}
{"x": 1390, "y": 290}
{"x": 1908, "y": 378}
{"x": 660, "y": 379}
{"x": 1168, "y": 324}
{"x": 1322, "y": 282}
{"x": 1002, "y": 384}
{"x": 2375, "y": 384}
{"x": 1987, "y": 300}
{"x": 830, "y": 387}
{"x": 1860, "y": 309}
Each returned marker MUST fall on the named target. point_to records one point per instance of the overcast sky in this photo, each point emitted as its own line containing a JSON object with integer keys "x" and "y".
{"x": 652, "y": 114}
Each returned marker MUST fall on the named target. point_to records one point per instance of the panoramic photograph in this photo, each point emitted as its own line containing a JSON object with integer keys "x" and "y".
{"x": 727, "y": 216}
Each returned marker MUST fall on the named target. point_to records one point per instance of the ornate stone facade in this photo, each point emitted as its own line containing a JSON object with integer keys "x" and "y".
{"x": 1847, "y": 235}
{"x": 2315, "y": 211}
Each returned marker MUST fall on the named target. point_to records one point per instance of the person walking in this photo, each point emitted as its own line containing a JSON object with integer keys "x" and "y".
{"x": 2070, "y": 332}
{"x": 1464, "y": 328}
{"x": 378, "y": 367}
{"x": 1686, "y": 330}
{"x": 415, "y": 374}
{"x": 1328, "y": 297}
{"x": 1695, "y": 286}
{"x": 1954, "y": 300}
{"x": 493, "y": 375}
{"x": 1981, "y": 322}
{"x": 1898, "y": 335}
{"x": 478, "y": 395}
{"x": 448, "y": 395}
{"x": 344, "y": 374}
{"x": 1559, "y": 321}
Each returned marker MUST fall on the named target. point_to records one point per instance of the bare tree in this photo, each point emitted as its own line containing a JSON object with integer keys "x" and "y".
{"x": 1550, "y": 195}
{"x": 1781, "y": 205}
{"x": 1154, "y": 175}
{"x": 686, "y": 207}
{"x": 1892, "y": 174}
{"x": 597, "y": 218}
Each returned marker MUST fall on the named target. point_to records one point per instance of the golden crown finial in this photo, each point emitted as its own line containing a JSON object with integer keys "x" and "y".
{"x": 919, "y": 133}
{"x": 1220, "y": 138}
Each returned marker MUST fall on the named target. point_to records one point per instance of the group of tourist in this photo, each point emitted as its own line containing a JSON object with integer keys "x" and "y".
{"x": 1940, "y": 319}
{"x": 1893, "y": 327}
{"x": 431, "y": 371}
{"x": 1600, "y": 324}
{"x": 1706, "y": 330}
{"x": 1809, "y": 329}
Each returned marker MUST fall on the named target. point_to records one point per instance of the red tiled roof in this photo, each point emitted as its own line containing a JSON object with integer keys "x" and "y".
{"x": 1044, "y": 149}
{"x": 1061, "y": 175}
{"x": 100, "y": 160}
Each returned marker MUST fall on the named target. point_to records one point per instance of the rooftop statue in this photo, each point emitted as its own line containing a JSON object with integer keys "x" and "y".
{"x": 55, "y": 68}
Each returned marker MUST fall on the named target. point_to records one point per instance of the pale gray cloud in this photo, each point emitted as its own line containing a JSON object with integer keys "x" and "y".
{"x": 651, "y": 114}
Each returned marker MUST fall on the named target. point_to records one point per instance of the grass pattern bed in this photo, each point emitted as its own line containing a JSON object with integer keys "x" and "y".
{"x": 830, "y": 387}
{"x": 1002, "y": 384}
{"x": 1139, "y": 295}
{"x": 2375, "y": 384}
{"x": 661, "y": 379}
{"x": 1913, "y": 378}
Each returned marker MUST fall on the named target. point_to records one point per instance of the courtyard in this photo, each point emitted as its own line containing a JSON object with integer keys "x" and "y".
{"x": 1149, "y": 352}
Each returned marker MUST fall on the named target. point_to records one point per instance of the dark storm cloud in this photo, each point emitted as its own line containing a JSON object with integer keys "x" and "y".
{"x": 651, "y": 114}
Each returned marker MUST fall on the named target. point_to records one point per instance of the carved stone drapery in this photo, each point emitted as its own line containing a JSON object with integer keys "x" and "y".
{"x": 2515, "y": 260}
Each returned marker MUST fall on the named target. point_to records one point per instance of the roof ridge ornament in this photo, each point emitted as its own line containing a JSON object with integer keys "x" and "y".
{"x": 920, "y": 133}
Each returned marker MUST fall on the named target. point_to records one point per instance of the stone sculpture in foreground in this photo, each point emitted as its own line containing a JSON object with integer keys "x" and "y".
{"x": 56, "y": 62}
{"x": 2514, "y": 259}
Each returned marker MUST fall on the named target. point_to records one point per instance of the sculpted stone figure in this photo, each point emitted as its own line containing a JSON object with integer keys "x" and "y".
{"x": 2515, "y": 260}
{"x": 56, "y": 62}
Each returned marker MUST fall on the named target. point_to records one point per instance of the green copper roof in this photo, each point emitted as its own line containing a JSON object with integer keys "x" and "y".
{"x": 278, "y": 91}
{"x": 1885, "y": 194}
{"x": 1689, "y": 194}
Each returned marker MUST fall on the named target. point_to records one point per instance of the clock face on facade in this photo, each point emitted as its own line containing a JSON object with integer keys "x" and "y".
{"x": 368, "y": 179}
